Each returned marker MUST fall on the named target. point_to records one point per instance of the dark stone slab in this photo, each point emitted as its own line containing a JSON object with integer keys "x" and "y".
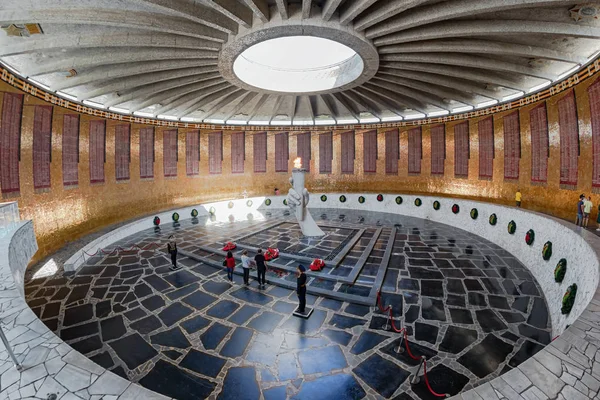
{"x": 521, "y": 304}
{"x": 461, "y": 316}
{"x": 473, "y": 285}
{"x": 431, "y": 288}
{"x": 174, "y": 313}
{"x": 51, "y": 310}
{"x": 133, "y": 350}
{"x": 103, "y": 309}
{"x": 454, "y": 300}
{"x": 423, "y": 273}
{"x": 236, "y": 345}
{"x": 455, "y": 286}
{"x": 181, "y": 278}
{"x": 343, "y": 322}
{"x": 284, "y": 307}
{"x": 266, "y": 322}
{"x": 339, "y": 387}
{"x": 457, "y": 339}
{"x": 485, "y": 357}
{"x": 286, "y": 366}
{"x": 62, "y": 293}
{"x": 277, "y": 291}
{"x": 172, "y": 381}
{"x": 157, "y": 283}
{"x": 380, "y": 374}
{"x": 409, "y": 284}
{"x": 82, "y": 280}
{"x": 252, "y": 296}
{"x": 528, "y": 349}
{"x": 153, "y": 303}
{"x": 539, "y": 314}
{"x": 222, "y": 309}
{"x": 195, "y": 324}
{"x": 367, "y": 341}
{"x": 498, "y": 302}
{"x": 203, "y": 363}
{"x": 172, "y": 354}
{"x": 214, "y": 335}
{"x": 175, "y": 294}
{"x": 171, "y": 338}
{"x": 120, "y": 371}
{"x": 416, "y": 349}
{"x": 275, "y": 393}
{"x": 142, "y": 290}
{"x": 243, "y": 314}
{"x": 433, "y": 309}
{"x": 412, "y": 314}
{"x": 510, "y": 287}
{"x": 325, "y": 359}
{"x": 103, "y": 359}
{"x": 443, "y": 380}
{"x": 357, "y": 309}
{"x": 330, "y": 304}
{"x": 112, "y": 328}
{"x": 240, "y": 383}
{"x": 529, "y": 288}
{"x": 453, "y": 273}
{"x": 135, "y": 314}
{"x": 339, "y": 337}
{"x": 489, "y": 321}
{"x": 87, "y": 345}
{"x": 146, "y": 325}
{"x": 78, "y": 293}
{"x": 91, "y": 270}
{"x": 536, "y": 334}
{"x": 426, "y": 332}
{"x": 477, "y": 299}
{"x": 217, "y": 288}
{"x": 512, "y": 317}
{"x": 79, "y": 331}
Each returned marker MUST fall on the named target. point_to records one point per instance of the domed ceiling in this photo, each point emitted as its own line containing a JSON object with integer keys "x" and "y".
{"x": 413, "y": 58}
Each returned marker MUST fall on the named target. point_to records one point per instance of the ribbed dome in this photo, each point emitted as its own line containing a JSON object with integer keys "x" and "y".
{"x": 168, "y": 57}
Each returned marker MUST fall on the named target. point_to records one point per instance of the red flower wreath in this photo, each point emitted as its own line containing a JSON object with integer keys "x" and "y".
{"x": 317, "y": 264}
{"x": 229, "y": 246}
{"x": 271, "y": 254}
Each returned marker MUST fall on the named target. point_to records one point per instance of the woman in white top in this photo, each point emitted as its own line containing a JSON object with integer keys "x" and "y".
{"x": 246, "y": 262}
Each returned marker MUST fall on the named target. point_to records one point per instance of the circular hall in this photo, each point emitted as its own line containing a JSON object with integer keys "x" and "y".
{"x": 299, "y": 199}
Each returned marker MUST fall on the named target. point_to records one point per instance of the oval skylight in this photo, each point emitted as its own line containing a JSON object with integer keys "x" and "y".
{"x": 298, "y": 64}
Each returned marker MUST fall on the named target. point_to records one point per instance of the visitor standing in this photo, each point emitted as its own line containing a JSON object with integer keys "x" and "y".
{"x": 301, "y": 288}
{"x": 579, "y": 219}
{"x": 518, "y": 198}
{"x": 587, "y": 209}
{"x": 261, "y": 268}
{"x": 172, "y": 250}
{"x": 246, "y": 262}
{"x": 598, "y": 218}
{"x": 230, "y": 264}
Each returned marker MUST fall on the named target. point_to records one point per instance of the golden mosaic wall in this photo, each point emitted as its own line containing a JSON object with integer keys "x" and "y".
{"x": 62, "y": 215}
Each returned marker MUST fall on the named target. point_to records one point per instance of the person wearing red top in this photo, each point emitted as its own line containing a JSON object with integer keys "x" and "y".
{"x": 230, "y": 264}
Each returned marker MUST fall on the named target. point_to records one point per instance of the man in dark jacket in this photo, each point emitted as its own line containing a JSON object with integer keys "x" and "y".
{"x": 301, "y": 288}
{"x": 261, "y": 268}
{"x": 172, "y": 249}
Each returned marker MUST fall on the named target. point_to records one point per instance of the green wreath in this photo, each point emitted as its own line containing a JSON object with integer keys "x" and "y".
{"x": 493, "y": 219}
{"x": 399, "y": 200}
{"x": 361, "y": 199}
{"x": 342, "y": 199}
{"x": 569, "y": 299}
{"x": 436, "y": 205}
{"x": 175, "y": 217}
{"x": 249, "y": 203}
{"x": 268, "y": 202}
{"x": 285, "y": 202}
{"x": 512, "y": 227}
{"x": 474, "y": 213}
{"x": 323, "y": 198}
{"x": 547, "y": 251}
{"x": 560, "y": 270}
{"x": 212, "y": 211}
{"x": 418, "y": 202}
{"x": 194, "y": 213}
{"x": 530, "y": 237}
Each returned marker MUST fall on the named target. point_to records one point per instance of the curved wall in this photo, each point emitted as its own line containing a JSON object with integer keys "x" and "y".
{"x": 62, "y": 214}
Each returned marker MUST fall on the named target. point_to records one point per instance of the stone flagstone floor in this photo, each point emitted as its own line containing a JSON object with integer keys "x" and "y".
{"x": 471, "y": 308}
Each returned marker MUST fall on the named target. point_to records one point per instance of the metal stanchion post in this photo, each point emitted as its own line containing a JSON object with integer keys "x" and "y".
{"x": 415, "y": 378}
{"x": 399, "y": 349}
{"x": 387, "y": 321}
{"x": 9, "y": 350}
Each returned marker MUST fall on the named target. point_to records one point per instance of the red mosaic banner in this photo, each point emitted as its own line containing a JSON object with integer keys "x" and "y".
{"x": 70, "y": 149}
{"x": 325, "y": 153}
{"x": 569, "y": 140}
{"x": 122, "y": 151}
{"x": 594, "y": 96}
{"x": 415, "y": 150}
{"x": 438, "y": 149}
{"x": 238, "y": 152}
{"x": 485, "y": 133}
{"x": 147, "y": 153}
{"x": 370, "y": 151}
{"x": 42, "y": 146}
{"x": 170, "y": 153}
{"x": 259, "y": 148}
{"x": 512, "y": 146}
{"x": 215, "y": 152}
{"x": 192, "y": 153}
{"x": 10, "y": 142}
{"x": 392, "y": 152}
{"x": 282, "y": 152}
{"x": 303, "y": 149}
{"x": 462, "y": 149}
{"x": 538, "y": 122}
{"x": 348, "y": 152}
{"x": 97, "y": 150}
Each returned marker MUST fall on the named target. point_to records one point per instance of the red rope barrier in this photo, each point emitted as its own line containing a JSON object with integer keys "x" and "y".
{"x": 388, "y": 309}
